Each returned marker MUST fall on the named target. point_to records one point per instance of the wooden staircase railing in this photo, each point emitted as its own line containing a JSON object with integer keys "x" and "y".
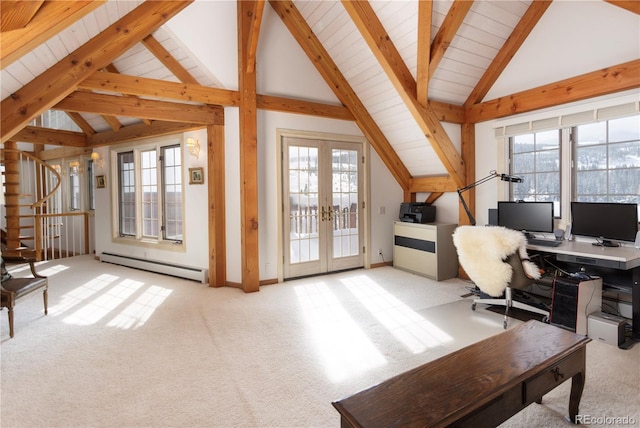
{"x": 29, "y": 183}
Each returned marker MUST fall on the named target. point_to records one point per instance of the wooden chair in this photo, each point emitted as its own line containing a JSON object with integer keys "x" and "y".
{"x": 12, "y": 289}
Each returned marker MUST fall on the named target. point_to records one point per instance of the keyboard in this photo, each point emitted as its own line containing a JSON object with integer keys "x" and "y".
{"x": 543, "y": 242}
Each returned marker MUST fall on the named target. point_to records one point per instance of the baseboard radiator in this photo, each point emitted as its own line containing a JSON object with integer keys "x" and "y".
{"x": 187, "y": 272}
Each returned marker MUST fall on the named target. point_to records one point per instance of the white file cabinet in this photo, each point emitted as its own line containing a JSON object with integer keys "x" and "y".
{"x": 425, "y": 249}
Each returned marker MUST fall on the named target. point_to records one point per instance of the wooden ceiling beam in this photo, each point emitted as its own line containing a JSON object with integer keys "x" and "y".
{"x": 55, "y": 137}
{"x": 289, "y": 105}
{"x": 508, "y": 50}
{"x": 145, "y": 87}
{"x": 50, "y": 19}
{"x": 81, "y": 122}
{"x": 254, "y": 33}
{"x": 392, "y": 63}
{"x": 446, "y": 112}
{"x": 168, "y": 60}
{"x": 113, "y": 69}
{"x": 630, "y": 5}
{"x": 140, "y": 108}
{"x": 447, "y": 32}
{"x": 437, "y": 184}
{"x": 17, "y": 14}
{"x": 140, "y": 131}
{"x": 43, "y": 92}
{"x": 140, "y": 86}
{"x": 425, "y": 13}
{"x": 341, "y": 88}
{"x": 608, "y": 80}
{"x": 112, "y": 121}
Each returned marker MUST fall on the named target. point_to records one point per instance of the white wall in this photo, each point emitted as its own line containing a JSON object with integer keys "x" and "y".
{"x": 571, "y": 38}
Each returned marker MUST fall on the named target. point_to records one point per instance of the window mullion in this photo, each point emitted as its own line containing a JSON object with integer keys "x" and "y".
{"x": 160, "y": 192}
{"x": 138, "y": 193}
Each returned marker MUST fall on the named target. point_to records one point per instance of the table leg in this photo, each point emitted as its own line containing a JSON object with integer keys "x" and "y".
{"x": 577, "y": 386}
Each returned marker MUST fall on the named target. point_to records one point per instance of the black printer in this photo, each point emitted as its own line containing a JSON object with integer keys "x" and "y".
{"x": 417, "y": 212}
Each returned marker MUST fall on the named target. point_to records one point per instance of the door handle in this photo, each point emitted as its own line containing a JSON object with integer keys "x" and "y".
{"x": 330, "y": 212}
{"x": 323, "y": 214}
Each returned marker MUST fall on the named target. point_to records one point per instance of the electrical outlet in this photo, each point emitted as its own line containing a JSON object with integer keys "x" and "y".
{"x": 379, "y": 251}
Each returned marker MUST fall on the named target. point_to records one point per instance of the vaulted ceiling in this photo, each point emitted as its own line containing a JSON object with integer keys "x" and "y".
{"x": 401, "y": 70}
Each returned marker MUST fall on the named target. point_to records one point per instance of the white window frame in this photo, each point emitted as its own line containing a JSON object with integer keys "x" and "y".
{"x": 565, "y": 123}
{"x": 557, "y": 212}
{"x": 139, "y": 238}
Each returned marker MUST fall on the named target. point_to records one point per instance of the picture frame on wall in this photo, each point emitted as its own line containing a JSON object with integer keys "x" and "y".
{"x": 196, "y": 175}
{"x": 101, "y": 181}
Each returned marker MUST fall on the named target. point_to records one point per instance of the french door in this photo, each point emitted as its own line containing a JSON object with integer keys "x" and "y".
{"x": 322, "y": 198}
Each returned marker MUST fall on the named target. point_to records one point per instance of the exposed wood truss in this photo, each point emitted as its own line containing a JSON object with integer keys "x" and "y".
{"x": 447, "y": 31}
{"x": 20, "y": 37}
{"x": 380, "y": 43}
{"x": 341, "y": 88}
{"x": 509, "y": 49}
{"x": 57, "y": 82}
{"x": 601, "y": 82}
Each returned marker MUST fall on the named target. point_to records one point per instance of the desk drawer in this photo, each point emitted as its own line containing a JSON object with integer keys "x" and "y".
{"x": 535, "y": 388}
{"x": 424, "y": 232}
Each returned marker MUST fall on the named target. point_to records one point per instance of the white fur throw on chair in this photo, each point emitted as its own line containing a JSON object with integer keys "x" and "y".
{"x": 482, "y": 251}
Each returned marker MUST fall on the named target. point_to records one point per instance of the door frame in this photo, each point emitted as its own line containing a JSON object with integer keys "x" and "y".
{"x": 366, "y": 224}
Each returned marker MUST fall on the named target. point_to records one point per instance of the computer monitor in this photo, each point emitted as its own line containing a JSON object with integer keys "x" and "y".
{"x": 526, "y": 216}
{"x": 608, "y": 221}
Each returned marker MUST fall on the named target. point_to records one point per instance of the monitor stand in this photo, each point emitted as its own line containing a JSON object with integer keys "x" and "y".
{"x": 606, "y": 243}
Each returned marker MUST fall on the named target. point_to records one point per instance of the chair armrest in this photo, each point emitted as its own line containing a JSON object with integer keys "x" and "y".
{"x": 20, "y": 260}
{"x": 17, "y": 259}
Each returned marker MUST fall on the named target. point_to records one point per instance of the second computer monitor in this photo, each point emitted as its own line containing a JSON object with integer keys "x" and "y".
{"x": 526, "y": 216}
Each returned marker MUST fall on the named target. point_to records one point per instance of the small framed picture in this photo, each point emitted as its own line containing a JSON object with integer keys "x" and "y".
{"x": 196, "y": 176}
{"x": 101, "y": 181}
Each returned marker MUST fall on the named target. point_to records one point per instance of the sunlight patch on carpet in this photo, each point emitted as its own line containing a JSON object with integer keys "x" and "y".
{"x": 139, "y": 312}
{"x": 412, "y": 330}
{"x": 80, "y": 294}
{"x": 102, "y": 305}
{"x": 345, "y": 350}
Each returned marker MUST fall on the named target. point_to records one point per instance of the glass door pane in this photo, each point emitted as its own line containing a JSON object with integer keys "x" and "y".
{"x": 303, "y": 204}
{"x": 344, "y": 187}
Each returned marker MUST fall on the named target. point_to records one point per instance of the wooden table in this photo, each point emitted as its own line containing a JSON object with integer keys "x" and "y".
{"x": 481, "y": 385}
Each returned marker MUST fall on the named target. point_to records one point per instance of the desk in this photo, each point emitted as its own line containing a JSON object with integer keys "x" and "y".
{"x": 481, "y": 385}
{"x": 620, "y": 258}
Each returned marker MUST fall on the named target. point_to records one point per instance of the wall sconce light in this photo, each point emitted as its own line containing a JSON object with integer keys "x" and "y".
{"x": 97, "y": 159}
{"x": 194, "y": 147}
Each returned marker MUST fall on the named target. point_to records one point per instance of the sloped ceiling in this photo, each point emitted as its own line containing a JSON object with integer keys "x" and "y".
{"x": 482, "y": 60}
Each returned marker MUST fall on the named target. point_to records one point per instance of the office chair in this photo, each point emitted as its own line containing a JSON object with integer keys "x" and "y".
{"x": 496, "y": 260}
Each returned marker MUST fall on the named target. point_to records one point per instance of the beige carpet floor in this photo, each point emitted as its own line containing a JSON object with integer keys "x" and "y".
{"x": 126, "y": 348}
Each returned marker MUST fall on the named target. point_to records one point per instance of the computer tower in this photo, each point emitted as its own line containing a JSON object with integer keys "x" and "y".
{"x": 573, "y": 300}
{"x": 607, "y": 328}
